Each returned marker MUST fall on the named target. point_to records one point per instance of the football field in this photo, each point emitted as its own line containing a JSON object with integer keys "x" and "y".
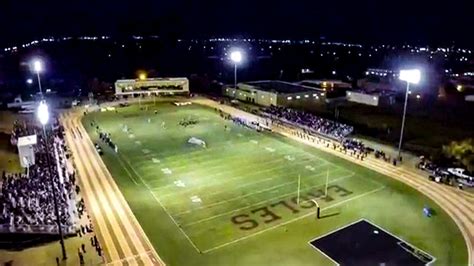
{"x": 226, "y": 199}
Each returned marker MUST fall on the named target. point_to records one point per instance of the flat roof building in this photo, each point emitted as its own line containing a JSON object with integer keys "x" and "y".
{"x": 274, "y": 92}
{"x": 151, "y": 86}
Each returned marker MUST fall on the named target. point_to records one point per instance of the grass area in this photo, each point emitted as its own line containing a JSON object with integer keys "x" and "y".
{"x": 9, "y": 161}
{"x": 234, "y": 202}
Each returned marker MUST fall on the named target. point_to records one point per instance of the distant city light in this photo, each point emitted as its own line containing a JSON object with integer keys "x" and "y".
{"x": 29, "y": 81}
{"x": 418, "y": 96}
{"x": 334, "y": 72}
{"x": 459, "y": 88}
{"x": 142, "y": 76}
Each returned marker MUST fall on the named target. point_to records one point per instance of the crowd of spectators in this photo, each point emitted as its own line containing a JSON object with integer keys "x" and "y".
{"x": 309, "y": 122}
{"x": 26, "y": 199}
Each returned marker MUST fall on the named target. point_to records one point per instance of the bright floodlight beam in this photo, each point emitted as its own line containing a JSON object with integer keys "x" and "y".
{"x": 410, "y": 76}
{"x": 37, "y": 65}
{"x": 236, "y": 57}
{"x": 43, "y": 113}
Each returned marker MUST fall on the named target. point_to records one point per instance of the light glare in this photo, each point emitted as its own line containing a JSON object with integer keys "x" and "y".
{"x": 410, "y": 75}
{"x": 37, "y": 66}
{"x": 236, "y": 56}
{"x": 43, "y": 113}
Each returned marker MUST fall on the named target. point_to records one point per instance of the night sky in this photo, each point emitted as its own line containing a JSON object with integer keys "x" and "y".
{"x": 423, "y": 22}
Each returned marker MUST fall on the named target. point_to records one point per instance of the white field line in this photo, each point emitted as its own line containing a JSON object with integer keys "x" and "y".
{"x": 235, "y": 147}
{"x": 203, "y": 152}
{"x": 314, "y": 176}
{"x": 209, "y": 178}
{"x": 232, "y": 199}
{"x": 239, "y": 177}
{"x": 266, "y": 200}
{"x": 126, "y": 170}
{"x": 292, "y": 220}
{"x": 212, "y": 161}
{"x": 227, "y": 166}
{"x": 164, "y": 208}
{"x": 178, "y": 164}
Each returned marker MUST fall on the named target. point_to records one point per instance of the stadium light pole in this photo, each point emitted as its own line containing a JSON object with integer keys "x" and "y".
{"x": 43, "y": 117}
{"x": 236, "y": 57}
{"x": 412, "y": 76}
{"x": 37, "y": 68}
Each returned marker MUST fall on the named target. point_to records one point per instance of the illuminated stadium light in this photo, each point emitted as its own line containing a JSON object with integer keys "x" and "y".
{"x": 43, "y": 113}
{"x": 410, "y": 75}
{"x": 236, "y": 56}
{"x": 37, "y": 65}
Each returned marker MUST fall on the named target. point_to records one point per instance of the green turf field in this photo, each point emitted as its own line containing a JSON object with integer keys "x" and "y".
{"x": 235, "y": 201}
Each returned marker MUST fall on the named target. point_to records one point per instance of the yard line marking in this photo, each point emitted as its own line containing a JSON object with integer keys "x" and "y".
{"x": 212, "y": 161}
{"x": 146, "y": 151}
{"x": 212, "y": 177}
{"x": 290, "y": 221}
{"x": 128, "y": 172}
{"x": 163, "y": 207}
{"x": 312, "y": 176}
{"x": 263, "y": 201}
{"x": 232, "y": 199}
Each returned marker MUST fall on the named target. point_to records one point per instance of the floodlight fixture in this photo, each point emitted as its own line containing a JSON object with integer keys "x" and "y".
{"x": 412, "y": 76}
{"x": 43, "y": 113}
{"x": 236, "y": 56}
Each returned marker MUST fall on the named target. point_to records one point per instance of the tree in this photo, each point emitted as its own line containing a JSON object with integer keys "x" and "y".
{"x": 462, "y": 151}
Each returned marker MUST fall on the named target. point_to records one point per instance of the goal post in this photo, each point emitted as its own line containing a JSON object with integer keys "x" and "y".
{"x": 298, "y": 192}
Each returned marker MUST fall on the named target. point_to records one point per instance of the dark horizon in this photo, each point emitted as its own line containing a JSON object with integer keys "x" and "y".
{"x": 365, "y": 21}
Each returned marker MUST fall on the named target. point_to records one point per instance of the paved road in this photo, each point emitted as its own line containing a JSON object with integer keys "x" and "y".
{"x": 459, "y": 205}
{"x": 118, "y": 231}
